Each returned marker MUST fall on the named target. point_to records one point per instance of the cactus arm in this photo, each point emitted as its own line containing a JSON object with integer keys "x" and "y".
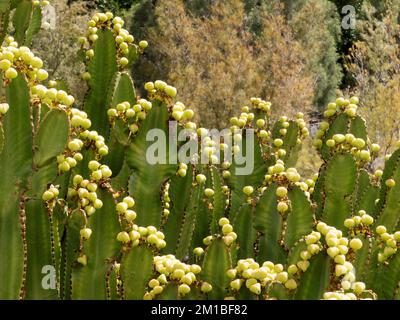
{"x": 386, "y": 279}
{"x": 300, "y": 217}
{"x": 268, "y": 222}
{"x": 216, "y": 263}
{"x": 365, "y": 194}
{"x": 112, "y": 284}
{"x": 122, "y": 90}
{"x": 136, "y": 271}
{"x": 146, "y": 182}
{"x": 358, "y": 128}
{"x": 170, "y": 292}
{"x": 180, "y": 193}
{"x": 208, "y": 210}
{"x": 318, "y": 195}
{"x": 89, "y": 281}
{"x": 55, "y": 125}
{"x": 102, "y": 68}
{"x": 363, "y": 257}
{"x": 290, "y": 143}
{"x": 34, "y": 26}
{"x": 70, "y": 251}
{"x": 219, "y": 199}
{"x": 339, "y": 125}
{"x": 189, "y": 222}
{"x": 41, "y": 250}
{"x": 388, "y": 205}
{"x": 15, "y": 164}
{"x": 21, "y": 19}
{"x": 315, "y": 280}
{"x": 1, "y": 138}
{"x": 246, "y": 234}
{"x": 339, "y": 184}
{"x": 237, "y": 182}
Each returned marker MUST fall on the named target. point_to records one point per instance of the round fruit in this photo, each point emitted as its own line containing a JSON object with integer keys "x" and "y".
{"x": 281, "y": 192}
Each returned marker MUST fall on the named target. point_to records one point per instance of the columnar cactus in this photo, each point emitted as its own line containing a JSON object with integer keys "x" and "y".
{"x": 80, "y": 198}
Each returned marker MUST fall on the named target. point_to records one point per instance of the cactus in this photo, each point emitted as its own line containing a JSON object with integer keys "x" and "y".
{"x": 80, "y": 198}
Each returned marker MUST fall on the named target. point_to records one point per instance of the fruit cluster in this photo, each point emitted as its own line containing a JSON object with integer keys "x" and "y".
{"x": 131, "y": 115}
{"x": 124, "y": 209}
{"x": 50, "y": 194}
{"x": 359, "y": 224}
{"x": 260, "y": 104}
{"x": 388, "y": 242}
{"x": 180, "y": 113}
{"x": 15, "y": 59}
{"x": 123, "y": 39}
{"x": 160, "y": 90}
{"x": 348, "y": 106}
{"x": 148, "y": 235}
{"x": 172, "y": 271}
{"x": 85, "y": 192}
{"x": 228, "y": 235}
{"x": 338, "y": 248}
{"x": 257, "y": 278}
{"x": 166, "y": 201}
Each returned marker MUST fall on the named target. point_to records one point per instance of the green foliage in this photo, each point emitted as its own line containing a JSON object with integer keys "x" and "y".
{"x": 185, "y": 230}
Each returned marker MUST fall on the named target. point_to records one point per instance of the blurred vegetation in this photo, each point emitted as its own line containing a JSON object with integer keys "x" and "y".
{"x": 374, "y": 62}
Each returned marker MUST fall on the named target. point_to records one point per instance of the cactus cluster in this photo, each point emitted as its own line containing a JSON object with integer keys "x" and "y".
{"x": 78, "y": 194}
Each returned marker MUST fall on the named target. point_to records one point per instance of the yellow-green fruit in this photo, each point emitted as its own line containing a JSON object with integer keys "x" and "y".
{"x": 42, "y": 74}
{"x": 47, "y": 195}
{"x": 183, "y": 289}
{"x": 143, "y": 44}
{"x": 82, "y": 260}
{"x": 201, "y": 178}
{"x": 248, "y": 190}
{"x": 206, "y": 287}
{"x": 390, "y": 183}
{"x": 381, "y": 230}
{"x": 291, "y": 284}
{"x": 330, "y": 143}
{"x": 209, "y": 192}
{"x": 282, "y": 207}
{"x": 123, "y": 237}
{"x": 171, "y": 91}
{"x": 223, "y": 221}
{"x": 358, "y": 287}
{"x": 367, "y": 220}
{"x": 129, "y": 201}
{"x": 85, "y": 233}
{"x": 11, "y": 73}
{"x": 5, "y": 64}
{"x": 278, "y": 142}
{"x": 236, "y": 284}
{"x": 349, "y": 223}
{"x": 227, "y": 228}
{"x": 281, "y": 192}
{"x": 198, "y": 251}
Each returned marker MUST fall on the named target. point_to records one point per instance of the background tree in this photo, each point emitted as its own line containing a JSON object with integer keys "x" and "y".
{"x": 316, "y": 25}
{"x": 224, "y": 62}
{"x": 374, "y": 62}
